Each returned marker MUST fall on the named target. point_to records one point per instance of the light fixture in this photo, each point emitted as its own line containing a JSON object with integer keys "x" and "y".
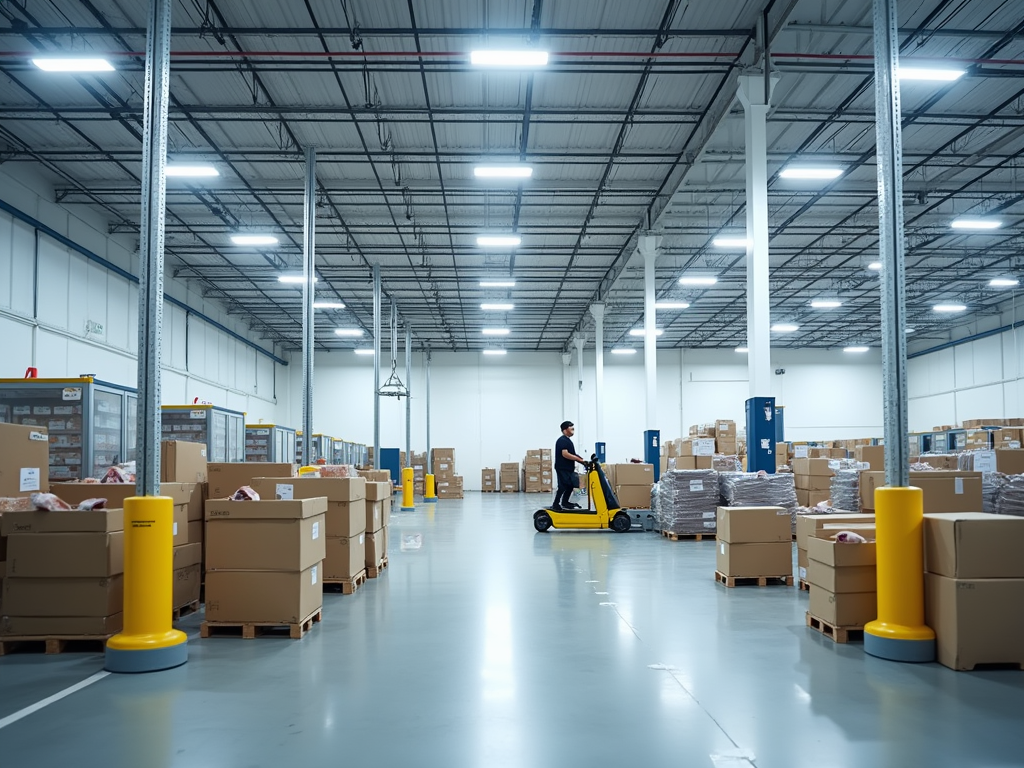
{"x": 929, "y": 74}
{"x": 742, "y": 349}
{"x": 191, "y": 170}
{"x": 1003, "y": 282}
{"x": 909, "y": 330}
{"x": 784, "y": 328}
{"x": 949, "y": 308}
{"x": 497, "y": 283}
{"x": 494, "y": 351}
{"x": 826, "y": 303}
{"x": 967, "y": 222}
{"x": 856, "y": 350}
{"x": 496, "y": 241}
{"x": 623, "y": 350}
{"x": 875, "y": 265}
{"x": 348, "y": 331}
{"x": 497, "y": 307}
{"x": 254, "y": 240}
{"x": 641, "y": 332}
{"x": 508, "y": 58}
{"x": 495, "y": 331}
{"x": 671, "y": 305}
{"x": 60, "y": 64}
{"x": 822, "y": 174}
{"x": 292, "y": 279}
{"x": 503, "y": 171}
{"x": 328, "y": 305}
{"x": 699, "y": 279}
{"x": 363, "y": 351}
{"x": 730, "y": 242}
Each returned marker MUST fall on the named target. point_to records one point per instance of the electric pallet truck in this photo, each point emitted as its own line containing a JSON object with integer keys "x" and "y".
{"x": 606, "y": 512}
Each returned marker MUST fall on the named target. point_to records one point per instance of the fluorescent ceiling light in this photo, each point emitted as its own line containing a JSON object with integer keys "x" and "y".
{"x": 73, "y": 65}
{"x": 254, "y": 240}
{"x": 362, "y": 351}
{"x": 497, "y": 307}
{"x": 494, "y": 351}
{"x": 640, "y": 332}
{"x": 930, "y": 74}
{"x": 497, "y": 283}
{"x": 623, "y": 351}
{"x": 1003, "y": 282}
{"x": 503, "y": 171}
{"x": 856, "y": 350}
{"x": 975, "y": 223}
{"x": 191, "y": 170}
{"x": 949, "y": 308}
{"x": 496, "y": 331}
{"x": 731, "y": 242}
{"x": 348, "y": 331}
{"x": 742, "y": 349}
{"x": 875, "y": 265}
{"x": 811, "y": 173}
{"x": 785, "y": 328}
{"x": 671, "y": 305}
{"x": 908, "y": 330}
{"x": 699, "y": 279}
{"x": 328, "y": 305}
{"x": 498, "y": 240}
{"x": 826, "y": 303}
{"x": 293, "y": 279}
{"x": 509, "y": 58}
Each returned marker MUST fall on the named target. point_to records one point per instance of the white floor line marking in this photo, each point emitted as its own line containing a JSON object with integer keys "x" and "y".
{"x": 592, "y": 581}
{"x": 51, "y": 699}
{"x": 611, "y": 604}
{"x": 736, "y": 758}
{"x": 600, "y": 593}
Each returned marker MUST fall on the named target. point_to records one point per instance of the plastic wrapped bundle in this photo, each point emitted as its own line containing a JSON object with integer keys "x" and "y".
{"x": 655, "y": 492}
{"x": 845, "y": 490}
{"x": 758, "y": 489}
{"x": 688, "y": 501}
{"x": 1010, "y": 497}
{"x": 338, "y": 470}
{"x": 991, "y": 482}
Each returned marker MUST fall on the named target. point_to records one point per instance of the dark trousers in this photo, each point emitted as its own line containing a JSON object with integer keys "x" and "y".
{"x": 566, "y": 486}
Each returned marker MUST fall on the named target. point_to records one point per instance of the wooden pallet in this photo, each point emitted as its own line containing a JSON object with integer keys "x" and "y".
{"x": 489, "y": 490}
{"x": 751, "y": 581}
{"x": 250, "y": 630}
{"x": 687, "y": 536}
{"x": 185, "y": 610}
{"x": 508, "y": 491}
{"x": 838, "y": 634}
{"x": 805, "y": 586}
{"x": 55, "y": 644}
{"x": 373, "y": 571}
{"x": 348, "y": 586}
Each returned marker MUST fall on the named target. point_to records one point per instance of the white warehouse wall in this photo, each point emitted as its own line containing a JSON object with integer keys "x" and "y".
{"x": 49, "y": 294}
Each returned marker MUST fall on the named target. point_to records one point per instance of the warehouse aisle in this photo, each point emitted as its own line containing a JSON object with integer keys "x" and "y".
{"x": 485, "y": 644}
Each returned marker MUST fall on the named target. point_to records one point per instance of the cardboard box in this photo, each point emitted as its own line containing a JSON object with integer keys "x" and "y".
{"x": 227, "y": 477}
{"x": 188, "y": 582}
{"x": 274, "y": 536}
{"x": 1006, "y": 437}
{"x": 66, "y": 555}
{"x": 827, "y": 531}
{"x": 813, "y": 482}
{"x": 115, "y": 493}
{"x": 332, "y": 488}
{"x": 378, "y": 514}
{"x": 802, "y": 562}
{"x": 634, "y": 496}
{"x": 807, "y": 498}
{"x": 943, "y": 491}
{"x": 63, "y": 597}
{"x": 725, "y": 428}
{"x": 686, "y": 462}
{"x": 346, "y": 557}
{"x": 846, "y": 609}
{"x": 182, "y": 462}
{"x": 976, "y": 621}
{"x": 698, "y": 446}
{"x": 186, "y": 555}
{"x": 703, "y": 462}
{"x": 280, "y": 597}
{"x": 808, "y": 525}
{"x": 841, "y": 567}
{"x": 197, "y": 502}
{"x": 943, "y": 461}
{"x": 24, "y": 460}
{"x": 376, "y": 548}
{"x": 742, "y": 525}
{"x": 70, "y": 521}
{"x": 196, "y": 532}
{"x": 761, "y": 559}
{"x": 375, "y": 491}
{"x": 179, "y": 528}
{"x": 441, "y": 454}
{"x": 974, "y": 545}
{"x": 839, "y": 555}
{"x": 1010, "y": 461}
{"x": 510, "y": 466}
{"x": 634, "y": 474}
{"x": 81, "y": 626}
{"x": 812, "y": 467}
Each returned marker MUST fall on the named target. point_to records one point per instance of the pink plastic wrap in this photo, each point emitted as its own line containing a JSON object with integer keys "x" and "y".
{"x": 90, "y": 504}
{"x": 245, "y": 493}
{"x": 48, "y": 502}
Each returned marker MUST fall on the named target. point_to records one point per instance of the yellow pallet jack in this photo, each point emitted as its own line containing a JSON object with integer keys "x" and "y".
{"x": 605, "y": 513}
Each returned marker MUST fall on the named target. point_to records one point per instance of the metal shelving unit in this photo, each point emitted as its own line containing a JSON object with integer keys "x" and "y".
{"x": 221, "y": 429}
{"x": 269, "y": 442}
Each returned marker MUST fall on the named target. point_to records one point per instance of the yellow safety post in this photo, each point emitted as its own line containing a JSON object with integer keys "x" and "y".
{"x": 148, "y": 642}
{"x": 429, "y": 494}
{"x": 899, "y": 633}
{"x": 408, "y": 504}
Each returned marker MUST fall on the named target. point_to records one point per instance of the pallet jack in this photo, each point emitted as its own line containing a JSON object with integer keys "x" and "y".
{"x": 605, "y": 514}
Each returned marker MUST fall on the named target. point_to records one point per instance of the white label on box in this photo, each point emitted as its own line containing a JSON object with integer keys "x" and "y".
{"x": 174, "y": 528}
{"x": 800, "y": 451}
{"x": 72, "y": 393}
{"x": 38, "y": 437}
{"x": 704, "y": 447}
{"x": 312, "y": 575}
{"x": 29, "y": 480}
{"x": 1015, "y": 443}
{"x": 985, "y": 461}
{"x": 723, "y": 548}
{"x": 696, "y": 485}
{"x": 285, "y": 491}
{"x": 197, "y": 414}
{"x": 362, "y": 538}
{"x": 958, "y": 483}
{"x": 203, "y": 453}
{"x": 782, "y": 512}
{"x": 710, "y": 515}
{"x": 803, "y": 573}
{"x": 316, "y": 531}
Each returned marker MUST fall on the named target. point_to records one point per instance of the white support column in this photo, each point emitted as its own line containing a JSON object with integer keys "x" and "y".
{"x": 579, "y": 342}
{"x": 755, "y": 95}
{"x": 597, "y": 310}
{"x": 566, "y": 362}
{"x": 648, "y": 245}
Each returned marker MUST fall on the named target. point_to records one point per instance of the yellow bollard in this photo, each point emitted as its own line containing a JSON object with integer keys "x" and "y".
{"x": 148, "y": 642}
{"x": 899, "y": 633}
{"x": 408, "y": 504}
{"x": 429, "y": 494}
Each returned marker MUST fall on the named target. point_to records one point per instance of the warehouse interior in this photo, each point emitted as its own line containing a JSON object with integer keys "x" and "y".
{"x": 578, "y": 233}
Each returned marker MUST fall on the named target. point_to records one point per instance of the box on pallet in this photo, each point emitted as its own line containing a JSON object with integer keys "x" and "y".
{"x": 376, "y": 547}
{"x": 969, "y": 545}
{"x": 743, "y": 525}
{"x": 754, "y": 559}
{"x": 346, "y": 557}
{"x": 634, "y": 474}
{"x": 346, "y": 498}
{"x": 265, "y": 535}
{"x": 183, "y": 462}
{"x": 278, "y": 597}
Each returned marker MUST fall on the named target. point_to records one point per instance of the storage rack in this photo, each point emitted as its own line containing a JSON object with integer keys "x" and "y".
{"x": 222, "y": 430}
{"x": 269, "y": 442}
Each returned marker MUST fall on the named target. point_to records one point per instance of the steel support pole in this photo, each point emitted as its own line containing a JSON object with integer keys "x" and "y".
{"x": 376, "y": 365}
{"x": 308, "y": 287}
{"x": 755, "y": 95}
{"x": 408, "y": 400}
{"x": 579, "y": 342}
{"x": 430, "y": 462}
{"x": 151, "y": 246}
{"x": 649, "y": 250}
{"x": 597, "y": 310}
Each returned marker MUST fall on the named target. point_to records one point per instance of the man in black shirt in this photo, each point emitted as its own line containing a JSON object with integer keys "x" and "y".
{"x": 565, "y": 468}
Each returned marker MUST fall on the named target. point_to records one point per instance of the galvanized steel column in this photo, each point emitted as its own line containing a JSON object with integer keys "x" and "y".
{"x": 308, "y": 288}
{"x": 597, "y": 310}
{"x": 408, "y": 400}
{"x": 430, "y": 462}
{"x": 376, "y": 366}
{"x": 579, "y": 342}
{"x": 648, "y": 245}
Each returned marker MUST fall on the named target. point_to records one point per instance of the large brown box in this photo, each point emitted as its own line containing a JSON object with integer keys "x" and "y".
{"x": 182, "y": 462}
{"x": 845, "y": 609}
{"x": 188, "y": 582}
{"x": 686, "y": 462}
{"x": 943, "y": 491}
{"x": 634, "y": 496}
{"x": 510, "y": 466}
{"x": 942, "y": 461}
{"x": 976, "y": 621}
{"x": 179, "y": 527}
{"x": 375, "y": 491}
{"x": 346, "y": 557}
{"x": 1010, "y": 461}
{"x": 196, "y": 532}
{"x": 743, "y": 525}
{"x": 807, "y": 525}
{"x": 115, "y": 493}
{"x": 24, "y": 460}
{"x": 703, "y": 462}
{"x": 62, "y": 521}
{"x": 376, "y": 547}
{"x": 812, "y": 467}
{"x": 281, "y": 597}
{"x": 809, "y": 499}
{"x": 841, "y": 555}
{"x": 265, "y": 535}
{"x": 46, "y": 626}
{"x": 842, "y": 579}
{"x": 197, "y": 502}
{"x": 346, "y": 499}
{"x": 186, "y": 555}
{"x": 441, "y": 454}
{"x": 760, "y": 559}
{"x": 812, "y": 482}
{"x": 227, "y": 477}
{"x": 378, "y": 514}
{"x": 65, "y": 555}
{"x": 634, "y": 474}
{"x": 63, "y": 597}
{"x": 974, "y": 545}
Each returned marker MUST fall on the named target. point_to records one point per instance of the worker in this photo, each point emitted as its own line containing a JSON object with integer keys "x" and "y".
{"x": 565, "y": 469}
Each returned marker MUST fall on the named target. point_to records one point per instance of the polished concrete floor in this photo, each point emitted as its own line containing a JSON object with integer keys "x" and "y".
{"x": 487, "y": 645}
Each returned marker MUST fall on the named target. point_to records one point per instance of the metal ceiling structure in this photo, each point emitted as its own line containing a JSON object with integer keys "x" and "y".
{"x": 632, "y": 127}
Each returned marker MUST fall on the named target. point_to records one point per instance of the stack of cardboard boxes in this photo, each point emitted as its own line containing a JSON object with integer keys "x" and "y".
{"x": 754, "y": 542}
{"x": 695, "y": 453}
{"x": 488, "y": 480}
{"x": 842, "y": 577}
{"x": 378, "y": 515}
{"x": 974, "y": 588}
{"x": 537, "y": 476}
{"x": 726, "y": 441}
{"x": 419, "y": 473}
{"x": 807, "y": 526}
{"x": 508, "y": 480}
{"x": 632, "y": 484}
{"x": 448, "y": 484}
{"x": 813, "y": 480}
{"x": 872, "y": 455}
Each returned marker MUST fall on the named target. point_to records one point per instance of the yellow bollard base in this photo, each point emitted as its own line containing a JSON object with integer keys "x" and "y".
{"x": 146, "y": 653}
{"x": 898, "y": 643}
{"x": 430, "y": 498}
